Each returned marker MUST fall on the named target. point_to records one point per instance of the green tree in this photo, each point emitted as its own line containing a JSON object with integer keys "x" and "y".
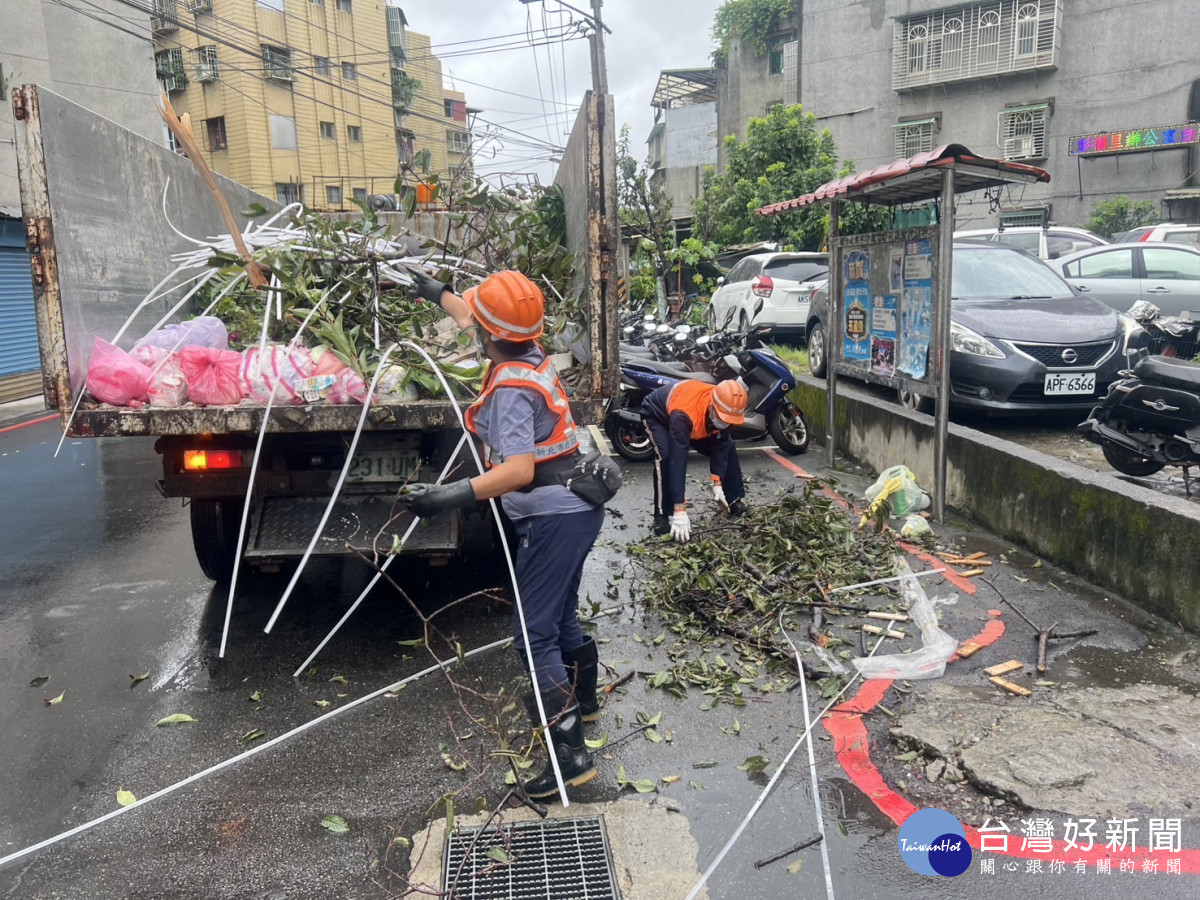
{"x": 1111, "y": 217}
{"x": 783, "y": 156}
{"x": 645, "y": 209}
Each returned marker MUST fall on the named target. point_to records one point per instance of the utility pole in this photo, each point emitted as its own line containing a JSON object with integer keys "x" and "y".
{"x": 599, "y": 69}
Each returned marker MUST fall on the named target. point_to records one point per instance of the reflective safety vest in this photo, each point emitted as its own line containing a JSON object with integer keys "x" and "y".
{"x": 692, "y": 398}
{"x": 543, "y": 379}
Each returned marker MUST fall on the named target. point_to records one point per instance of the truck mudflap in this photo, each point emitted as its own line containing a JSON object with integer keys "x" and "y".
{"x": 282, "y": 527}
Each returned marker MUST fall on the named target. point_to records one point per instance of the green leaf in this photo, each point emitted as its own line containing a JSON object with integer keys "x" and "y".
{"x": 174, "y": 719}
{"x": 499, "y": 854}
{"x": 323, "y": 704}
{"x": 449, "y": 817}
{"x": 705, "y": 764}
{"x": 754, "y": 764}
{"x": 452, "y": 763}
{"x": 652, "y": 735}
{"x": 54, "y": 701}
{"x": 596, "y": 744}
{"x": 336, "y": 824}
{"x": 415, "y": 642}
{"x": 252, "y": 736}
{"x": 138, "y": 679}
{"x": 256, "y": 697}
{"x": 906, "y": 757}
{"x": 340, "y": 679}
{"x": 126, "y": 798}
{"x": 39, "y": 681}
{"x": 795, "y": 867}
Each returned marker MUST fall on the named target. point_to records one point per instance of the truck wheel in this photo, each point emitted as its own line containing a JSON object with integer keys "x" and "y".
{"x": 1128, "y": 463}
{"x": 788, "y": 429}
{"x": 630, "y": 439}
{"x": 215, "y": 525}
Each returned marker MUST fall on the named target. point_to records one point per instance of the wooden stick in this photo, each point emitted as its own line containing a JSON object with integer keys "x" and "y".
{"x": 815, "y": 839}
{"x": 971, "y": 573}
{"x": 1004, "y": 668}
{"x": 975, "y": 556}
{"x": 1010, "y": 687}
{"x": 1043, "y": 636}
{"x": 891, "y": 617}
{"x": 875, "y": 629}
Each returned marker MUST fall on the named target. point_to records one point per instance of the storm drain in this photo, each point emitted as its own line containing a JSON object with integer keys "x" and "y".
{"x": 558, "y": 859}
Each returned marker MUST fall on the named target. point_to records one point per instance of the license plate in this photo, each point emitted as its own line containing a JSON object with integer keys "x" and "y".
{"x": 381, "y": 465}
{"x": 1070, "y": 383}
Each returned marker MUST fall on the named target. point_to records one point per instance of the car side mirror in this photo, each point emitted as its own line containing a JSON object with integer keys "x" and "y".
{"x": 720, "y": 280}
{"x": 728, "y": 319}
{"x": 758, "y": 307}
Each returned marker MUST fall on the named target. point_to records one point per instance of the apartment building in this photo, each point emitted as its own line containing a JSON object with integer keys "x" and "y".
{"x": 318, "y": 101}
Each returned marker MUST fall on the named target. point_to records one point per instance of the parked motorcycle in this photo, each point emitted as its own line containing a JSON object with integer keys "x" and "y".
{"x": 766, "y": 377}
{"x": 1150, "y": 419}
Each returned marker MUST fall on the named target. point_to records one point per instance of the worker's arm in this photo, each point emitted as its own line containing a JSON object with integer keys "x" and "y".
{"x": 430, "y": 289}
{"x": 511, "y": 475}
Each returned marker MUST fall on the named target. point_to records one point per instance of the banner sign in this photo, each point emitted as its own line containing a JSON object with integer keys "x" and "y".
{"x": 1136, "y": 140}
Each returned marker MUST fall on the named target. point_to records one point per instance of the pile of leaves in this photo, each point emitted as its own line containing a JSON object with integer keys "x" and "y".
{"x": 722, "y": 594}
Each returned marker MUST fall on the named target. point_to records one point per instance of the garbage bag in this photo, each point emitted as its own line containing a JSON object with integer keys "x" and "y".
{"x": 277, "y": 368}
{"x": 325, "y": 361}
{"x": 213, "y": 376}
{"x": 116, "y": 377}
{"x": 348, "y": 387}
{"x": 168, "y": 387}
{"x": 896, "y": 486}
{"x": 915, "y": 528}
{"x": 936, "y": 645}
{"x": 202, "y": 331}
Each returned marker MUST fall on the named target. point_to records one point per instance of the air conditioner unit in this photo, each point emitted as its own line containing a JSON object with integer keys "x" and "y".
{"x": 199, "y": 5}
{"x": 206, "y": 73}
{"x": 1019, "y": 147}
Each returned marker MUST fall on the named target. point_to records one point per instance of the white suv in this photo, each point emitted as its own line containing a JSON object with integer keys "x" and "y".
{"x": 777, "y": 285}
{"x": 1050, "y": 242}
{"x": 1175, "y": 232}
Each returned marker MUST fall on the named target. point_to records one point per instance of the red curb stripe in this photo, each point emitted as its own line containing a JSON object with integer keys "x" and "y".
{"x": 791, "y": 466}
{"x": 963, "y": 584}
{"x": 30, "y": 422}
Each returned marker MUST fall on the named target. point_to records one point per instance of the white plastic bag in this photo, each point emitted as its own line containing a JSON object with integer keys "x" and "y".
{"x": 278, "y": 368}
{"x": 936, "y": 646}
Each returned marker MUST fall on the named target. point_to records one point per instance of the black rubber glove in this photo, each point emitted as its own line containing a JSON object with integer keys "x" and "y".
{"x": 427, "y": 287}
{"x": 428, "y": 499}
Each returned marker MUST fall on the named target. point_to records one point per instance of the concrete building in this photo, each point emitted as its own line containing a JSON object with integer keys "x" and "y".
{"x": 310, "y": 100}
{"x": 1106, "y": 97}
{"x": 683, "y": 141}
{"x": 107, "y": 69}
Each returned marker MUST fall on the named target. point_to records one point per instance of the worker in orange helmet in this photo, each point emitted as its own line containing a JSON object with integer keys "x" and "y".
{"x": 694, "y": 414}
{"x": 524, "y": 421}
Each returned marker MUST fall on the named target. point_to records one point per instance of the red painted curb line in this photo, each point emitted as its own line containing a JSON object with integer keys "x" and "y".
{"x": 30, "y": 422}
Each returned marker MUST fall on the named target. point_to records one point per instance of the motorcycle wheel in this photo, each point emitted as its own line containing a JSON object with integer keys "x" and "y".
{"x": 1128, "y": 463}
{"x": 630, "y": 440}
{"x": 788, "y": 429}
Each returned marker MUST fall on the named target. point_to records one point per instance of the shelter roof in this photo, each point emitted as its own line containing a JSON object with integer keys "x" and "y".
{"x": 685, "y": 86}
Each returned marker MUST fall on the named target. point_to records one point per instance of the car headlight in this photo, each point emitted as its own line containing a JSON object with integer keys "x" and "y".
{"x": 964, "y": 340}
{"x": 1133, "y": 335}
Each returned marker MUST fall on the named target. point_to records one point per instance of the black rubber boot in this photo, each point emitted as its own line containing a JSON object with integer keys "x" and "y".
{"x": 738, "y": 508}
{"x": 566, "y": 732}
{"x": 661, "y": 525}
{"x": 583, "y": 664}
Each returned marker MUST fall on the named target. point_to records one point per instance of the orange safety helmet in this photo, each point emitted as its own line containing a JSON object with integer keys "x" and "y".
{"x": 729, "y": 402}
{"x": 508, "y": 305}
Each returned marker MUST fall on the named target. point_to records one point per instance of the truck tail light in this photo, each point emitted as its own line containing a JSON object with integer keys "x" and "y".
{"x": 762, "y": 285}
{"x": 208, "y": 460}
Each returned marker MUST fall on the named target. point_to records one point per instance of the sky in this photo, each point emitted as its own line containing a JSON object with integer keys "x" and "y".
{"x": 648, "y": 36}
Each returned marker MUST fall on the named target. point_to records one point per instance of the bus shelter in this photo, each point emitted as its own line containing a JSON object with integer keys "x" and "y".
{"x": 890, "y": 291}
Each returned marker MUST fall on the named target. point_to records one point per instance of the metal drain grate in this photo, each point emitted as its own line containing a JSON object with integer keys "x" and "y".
{"x": 556, "y": 859}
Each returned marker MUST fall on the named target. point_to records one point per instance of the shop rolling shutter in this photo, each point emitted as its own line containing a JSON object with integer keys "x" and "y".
{"x": 18, "y": 326}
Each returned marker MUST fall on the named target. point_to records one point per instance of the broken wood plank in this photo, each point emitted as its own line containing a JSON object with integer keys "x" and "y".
{"x": 891, "y": 617}
{"x": 875, "y": 629}
{"x": 974, "y": 556}
{"x": 969, "y": 648}
{"x": 1010, "y": 687}
{"x": 1004, "y": 668}
{"x": 971, "y": 573}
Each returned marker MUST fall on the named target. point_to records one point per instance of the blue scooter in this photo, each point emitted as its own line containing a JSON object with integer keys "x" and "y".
{"x": 766, "y": 377}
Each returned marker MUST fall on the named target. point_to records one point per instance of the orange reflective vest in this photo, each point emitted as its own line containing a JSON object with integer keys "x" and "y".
{"x": 692, "y": 398}
{"x": 543, "y": 379}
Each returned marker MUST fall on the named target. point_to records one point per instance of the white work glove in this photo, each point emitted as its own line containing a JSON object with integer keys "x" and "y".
{"x": 719, "y": 495}
{"x": 681, "y": 527}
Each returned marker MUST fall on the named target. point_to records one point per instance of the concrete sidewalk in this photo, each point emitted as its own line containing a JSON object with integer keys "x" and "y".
{"x": 19, "y": 412}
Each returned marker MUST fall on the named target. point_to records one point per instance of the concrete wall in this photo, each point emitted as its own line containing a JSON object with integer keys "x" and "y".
{"x": 685, "y": 145}
{"x": 106, "y": 70}
{"x": 1135, "y": 542}
{"x": 1104, "y": 81}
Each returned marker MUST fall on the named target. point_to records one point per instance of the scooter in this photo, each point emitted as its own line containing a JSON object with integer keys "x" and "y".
{"x": 766, "y": 377}
{"x": 1150, "y": 419}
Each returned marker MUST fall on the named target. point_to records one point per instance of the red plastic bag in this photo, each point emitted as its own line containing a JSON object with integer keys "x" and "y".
{"x": 116, "y": 377}
{"x": 213, "y": 376}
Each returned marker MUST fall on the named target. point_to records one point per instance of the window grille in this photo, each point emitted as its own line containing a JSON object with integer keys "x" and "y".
{"x": 164, "y": 16}
{"x": 199, "y": 6}
{"x": 206, "y": 64}
{"x": 458, "y": 142}
{"x": 791, "y": 73}
{"x": 214, "y": 134}
{"x": 912, "y": 138}
{"x": 975, "y": 40}
{"x": 1022, "y": 132}
{"x": 287, "y": 193}
{"x": 168, "y": 64}
{"x": 277, "y": 63}
{"x": 775, "y": 59}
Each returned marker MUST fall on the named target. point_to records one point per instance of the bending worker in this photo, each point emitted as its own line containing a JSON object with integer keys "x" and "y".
{"x": 524, "y": 421}
{"x": 694, "y": 414}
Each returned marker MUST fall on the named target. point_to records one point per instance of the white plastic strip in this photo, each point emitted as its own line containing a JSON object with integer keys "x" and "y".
{"x": 379, "y": 574}
{"x": 325, "y": 717}
{"x": 855, "y": 587}
{"x": 771, "y": 784}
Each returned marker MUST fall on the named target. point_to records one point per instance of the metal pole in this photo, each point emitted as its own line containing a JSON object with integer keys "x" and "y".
{"x": 945, "y": 273}
{"x": 833, "y": 332}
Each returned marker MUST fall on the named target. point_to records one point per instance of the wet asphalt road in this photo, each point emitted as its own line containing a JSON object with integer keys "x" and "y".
{"x": 98, "y": 583}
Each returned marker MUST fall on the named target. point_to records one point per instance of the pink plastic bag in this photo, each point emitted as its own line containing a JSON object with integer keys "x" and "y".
{"x": 116, "y": 377}
{"x": 276, "y": 369}
{"x": 325, "y": 361}
{"x": 348, "y": 387}
{"x": 213, "y": 376}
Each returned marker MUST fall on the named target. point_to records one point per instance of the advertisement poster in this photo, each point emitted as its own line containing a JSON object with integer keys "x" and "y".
{"x": 916, "y": 308}
{"x": 857, "y": 299}
{"x": 884, "y": 314}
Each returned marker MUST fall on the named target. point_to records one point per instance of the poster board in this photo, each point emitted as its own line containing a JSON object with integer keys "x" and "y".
{"x": 884, "y": 299}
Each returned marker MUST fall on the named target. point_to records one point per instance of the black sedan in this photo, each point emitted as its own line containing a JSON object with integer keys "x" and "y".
{"x": 1022, "y": 339}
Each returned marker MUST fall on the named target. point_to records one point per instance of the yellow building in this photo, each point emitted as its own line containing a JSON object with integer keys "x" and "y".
{"x": 321, "y": 101}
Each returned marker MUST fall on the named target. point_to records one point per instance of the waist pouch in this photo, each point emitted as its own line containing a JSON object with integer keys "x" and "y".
{"x": 593, "y": 477}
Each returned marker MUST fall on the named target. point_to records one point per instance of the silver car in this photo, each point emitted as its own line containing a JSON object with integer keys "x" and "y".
{"x": 778, "y": 282}
{"x": 1165, "y": 274}
{"x": 1049, "y": 242}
